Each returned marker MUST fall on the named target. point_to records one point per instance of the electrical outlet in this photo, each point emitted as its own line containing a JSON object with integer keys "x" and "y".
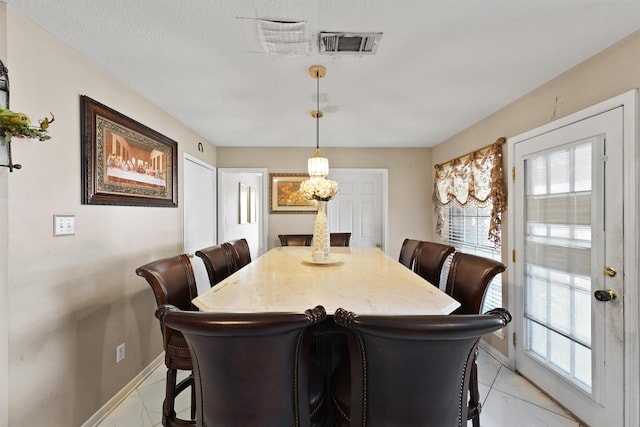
{"x": 120, "y": 353}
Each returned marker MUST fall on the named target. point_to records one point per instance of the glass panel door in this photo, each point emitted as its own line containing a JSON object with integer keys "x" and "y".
{"x": 567, "y": 233}
{"x": 557, "y": 307}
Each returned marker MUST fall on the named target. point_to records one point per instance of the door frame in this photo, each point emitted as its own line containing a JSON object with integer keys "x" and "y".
{"x": 384, "y": 174}
{"x": 631, "y": 294}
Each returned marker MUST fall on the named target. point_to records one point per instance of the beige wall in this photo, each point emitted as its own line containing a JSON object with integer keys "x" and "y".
{"x": 611, "y": 72}
{"x": 73, "y": 299}
{"x": 410, "y": 184}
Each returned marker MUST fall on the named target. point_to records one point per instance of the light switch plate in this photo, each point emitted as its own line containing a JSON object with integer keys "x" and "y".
{"x": 64, "y": 225}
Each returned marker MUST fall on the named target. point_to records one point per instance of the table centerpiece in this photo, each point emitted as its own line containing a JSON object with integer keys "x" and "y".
{"x": 322, "y": 190}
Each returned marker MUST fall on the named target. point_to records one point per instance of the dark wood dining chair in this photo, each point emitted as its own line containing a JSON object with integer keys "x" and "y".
{"x": 408, "y": 252}
{"x": 469, "y": 278}
{"x": 408, "y": 370}
{"x": 467, "y": 282}
{"x": 219, "y": 261}
{"x": 242, "y": 252}
{"x": 173, "y": 282}
{"x": 252, "y": 369}
{"x": 429, "y": 259}
{"x": 295, "y": 239}
{"x": 339, "y": 239}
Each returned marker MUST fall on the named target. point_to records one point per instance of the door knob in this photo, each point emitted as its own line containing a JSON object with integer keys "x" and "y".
{"x": 604, "y": 295}
{"x": 610, "y": 271}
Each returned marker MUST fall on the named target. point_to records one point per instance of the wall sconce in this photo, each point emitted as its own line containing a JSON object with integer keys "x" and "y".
{"x": 5, "y": 143}
{"x": 13, "y": 124}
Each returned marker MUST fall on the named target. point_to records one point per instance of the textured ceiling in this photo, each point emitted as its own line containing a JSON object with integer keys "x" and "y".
{"x": 440, "y": 67}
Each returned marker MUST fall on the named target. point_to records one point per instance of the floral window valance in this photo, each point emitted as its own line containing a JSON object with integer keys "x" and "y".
{"x": 475, "y": 178}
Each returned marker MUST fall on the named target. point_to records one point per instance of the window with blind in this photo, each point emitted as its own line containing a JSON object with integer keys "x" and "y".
{"x": 469, "y": 198}
{"x": 468, "y": 232}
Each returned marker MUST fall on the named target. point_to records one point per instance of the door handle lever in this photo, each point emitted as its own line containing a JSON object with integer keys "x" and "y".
{"x": 604, "y": 295}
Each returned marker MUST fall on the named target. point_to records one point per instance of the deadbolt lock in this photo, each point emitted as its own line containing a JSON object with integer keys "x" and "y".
{"x": 610, "y": 271}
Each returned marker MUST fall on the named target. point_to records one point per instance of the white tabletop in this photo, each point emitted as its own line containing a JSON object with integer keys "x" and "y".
{"x": 362, "y": 280}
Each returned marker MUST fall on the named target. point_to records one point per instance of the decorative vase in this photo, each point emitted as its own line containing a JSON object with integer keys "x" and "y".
{"x": 321, "y": 245}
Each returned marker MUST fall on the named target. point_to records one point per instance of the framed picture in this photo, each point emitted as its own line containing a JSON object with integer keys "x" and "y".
{"x": 123, "y": 161}
{"x": 285, "y": 194}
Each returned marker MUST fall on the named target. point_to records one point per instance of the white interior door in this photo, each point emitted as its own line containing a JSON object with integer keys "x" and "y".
{"x": 200, "y": 218}
{"x": 360, "y": 207}
{"x": 568, "y": 237}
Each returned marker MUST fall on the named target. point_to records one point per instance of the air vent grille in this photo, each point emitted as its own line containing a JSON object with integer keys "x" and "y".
{"x": 349, "y": 43}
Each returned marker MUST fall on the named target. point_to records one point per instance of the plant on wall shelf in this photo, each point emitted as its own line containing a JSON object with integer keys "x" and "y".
{"x": 18, "y": 125}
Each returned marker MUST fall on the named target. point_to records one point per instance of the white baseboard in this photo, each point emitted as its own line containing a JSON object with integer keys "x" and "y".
{"x": 124, "y": 392}
{"x": 504, "y": 360}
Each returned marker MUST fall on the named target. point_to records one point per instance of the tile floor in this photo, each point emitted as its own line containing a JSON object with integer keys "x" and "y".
{"x": 508, "y": 400}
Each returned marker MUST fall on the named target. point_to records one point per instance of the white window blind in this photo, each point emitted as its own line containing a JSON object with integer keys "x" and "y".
{"x": 468, "y": 232}
{"x": 557, "y": 259}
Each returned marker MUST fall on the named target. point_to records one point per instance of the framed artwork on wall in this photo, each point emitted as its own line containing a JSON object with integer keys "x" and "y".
{"x": 123, "y": 161}
{"x": 285, "y": 194}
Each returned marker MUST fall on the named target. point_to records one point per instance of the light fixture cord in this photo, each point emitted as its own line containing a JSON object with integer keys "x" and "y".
{"x": 317, "y": 109}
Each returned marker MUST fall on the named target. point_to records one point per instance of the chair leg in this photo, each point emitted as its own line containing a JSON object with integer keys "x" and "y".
{"x": 193, "y": 398}
{"x": 173, "y": 388}
{"x": 475, "y": 406}
{"x": 168, "y": 411}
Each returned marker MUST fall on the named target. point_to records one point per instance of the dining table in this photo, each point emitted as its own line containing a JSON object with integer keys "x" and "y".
{"x": 361, "y": 280}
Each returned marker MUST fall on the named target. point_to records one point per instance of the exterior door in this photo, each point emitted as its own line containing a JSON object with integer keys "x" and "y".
{"x": 360, "y": 206}
{"x": 569, "y": 265}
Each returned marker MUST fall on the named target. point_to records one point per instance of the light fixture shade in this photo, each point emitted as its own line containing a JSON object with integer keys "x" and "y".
{"x": 318, "y": 166}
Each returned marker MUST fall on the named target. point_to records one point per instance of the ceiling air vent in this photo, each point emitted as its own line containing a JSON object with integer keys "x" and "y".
{"x": 349, "y": 43}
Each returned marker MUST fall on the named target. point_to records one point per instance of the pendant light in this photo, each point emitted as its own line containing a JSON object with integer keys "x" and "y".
{"x": 317, "y": 166}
